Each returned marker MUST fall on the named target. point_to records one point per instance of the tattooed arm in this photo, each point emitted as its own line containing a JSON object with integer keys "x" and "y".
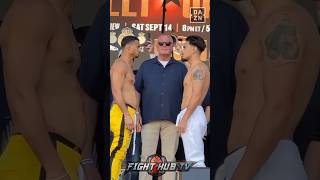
{"x": 282, "y": 47}
{"x": 198, "y": 76}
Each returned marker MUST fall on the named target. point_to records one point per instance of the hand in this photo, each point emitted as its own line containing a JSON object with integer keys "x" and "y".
{"x": 182, "y": 126}
{"x": 91, "y": 172}
{"x": 128, "y": 122}
{"x": 139, "y": 122}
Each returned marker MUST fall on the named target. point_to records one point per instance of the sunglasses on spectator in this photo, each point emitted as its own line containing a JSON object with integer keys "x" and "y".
{"x": 164, "y": 43}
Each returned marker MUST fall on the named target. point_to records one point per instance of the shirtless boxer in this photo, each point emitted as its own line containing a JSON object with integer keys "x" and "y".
{"x": 276, "y": 71}
{"x": 191, "y": 121}
{"x": 123, "y": 111}
{"x": 41, "y": 60}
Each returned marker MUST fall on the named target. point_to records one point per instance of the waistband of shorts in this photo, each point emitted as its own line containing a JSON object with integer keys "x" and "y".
{"x": 128, "y": 105}
{"x": 55, "y": 137}
{"x": 195, "y": 108}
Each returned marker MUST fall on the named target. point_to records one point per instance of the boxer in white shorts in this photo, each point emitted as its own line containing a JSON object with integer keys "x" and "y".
{"x": 191, "y": 122}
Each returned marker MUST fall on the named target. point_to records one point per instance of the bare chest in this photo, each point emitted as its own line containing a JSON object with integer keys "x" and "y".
{"x": 249, "y": 59}
{"x": 130, "y": 77}
{"x": 63, "y": 48}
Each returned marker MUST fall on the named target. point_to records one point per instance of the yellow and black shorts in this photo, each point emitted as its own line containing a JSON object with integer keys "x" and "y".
{"x": 120, "y": 139}
{"x": 18, "y": 161}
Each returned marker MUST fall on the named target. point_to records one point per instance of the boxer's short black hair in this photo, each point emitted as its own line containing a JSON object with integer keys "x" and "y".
{"x": 128, "y": 39}
{"x": 197, "y": 41}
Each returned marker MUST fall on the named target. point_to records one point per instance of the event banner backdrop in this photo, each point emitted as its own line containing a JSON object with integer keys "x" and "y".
{"x": 143, "y": 18}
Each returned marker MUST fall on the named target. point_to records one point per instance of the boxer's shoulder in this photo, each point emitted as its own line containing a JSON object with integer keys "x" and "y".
{"x": 119, "y": 67}
{"x": 28, "y": 19}
{"x": 30, "y": 15}
{"x": 32, "y": 8}
{"x": 292, "y": 16}
{"x": 198, "y": 72}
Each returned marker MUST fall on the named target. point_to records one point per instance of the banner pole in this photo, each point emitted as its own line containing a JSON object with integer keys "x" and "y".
{"x": 163, "y": 15}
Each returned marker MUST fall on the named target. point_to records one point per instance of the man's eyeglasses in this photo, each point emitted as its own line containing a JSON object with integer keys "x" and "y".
{"x": 164, "y": 43}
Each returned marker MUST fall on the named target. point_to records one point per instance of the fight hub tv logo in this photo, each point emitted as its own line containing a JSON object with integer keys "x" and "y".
{"x": 197, "y": 15}
{"x": 157, "y": 165}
